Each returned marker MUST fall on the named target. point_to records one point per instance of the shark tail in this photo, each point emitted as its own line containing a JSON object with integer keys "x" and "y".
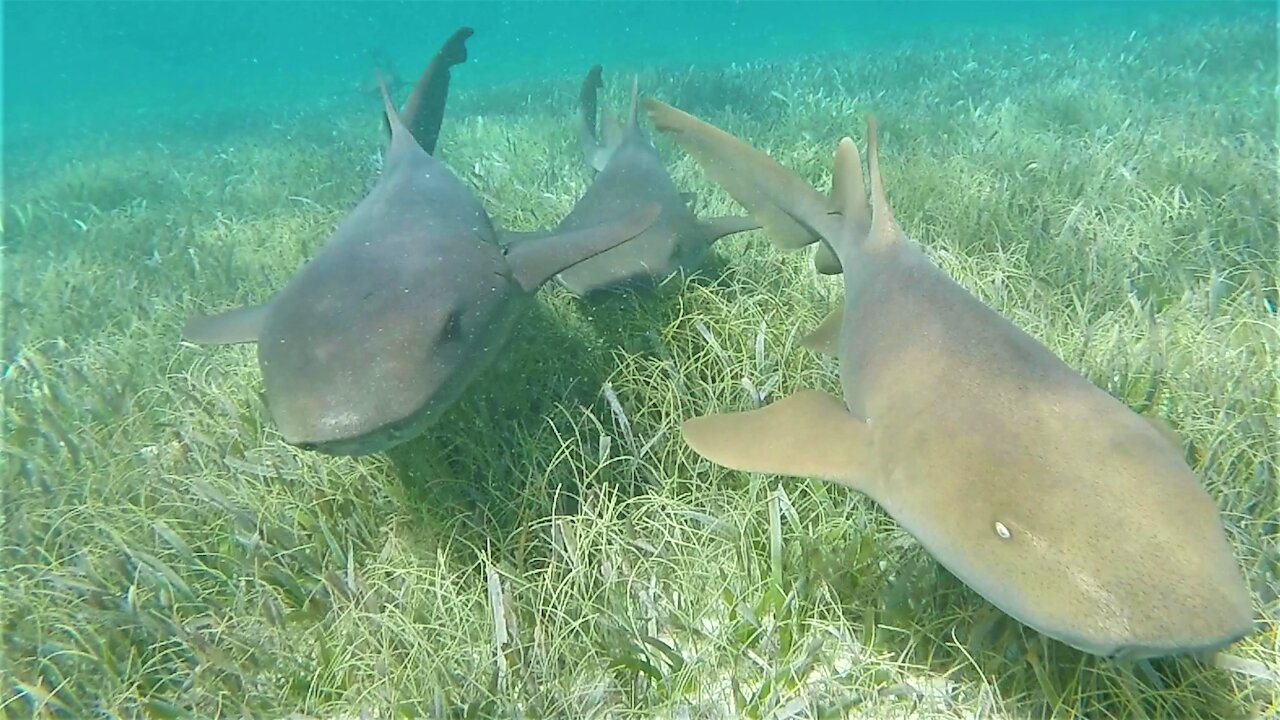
{"x": 792, "y": 211}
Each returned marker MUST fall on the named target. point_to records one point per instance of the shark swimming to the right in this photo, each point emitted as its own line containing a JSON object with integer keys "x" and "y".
{"x": 407, "y": 302}
{"x": 1036, "y": 488}
{"x": 628, "y": 174}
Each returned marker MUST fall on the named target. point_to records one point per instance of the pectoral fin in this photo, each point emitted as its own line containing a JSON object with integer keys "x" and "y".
{"x": 1166, "y": 431}
{"x": 535, "y": 261}
{"x": 825, "y": 260}
{"x": 825, "y": 338}
{"x": 241, "y": 325}
{"x": 809, "y": 434}
{"x": 718, "y": 227}
{"x": 507, "y": 238}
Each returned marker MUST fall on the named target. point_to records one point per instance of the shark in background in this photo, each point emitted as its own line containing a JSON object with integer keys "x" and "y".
{"x": 628, "y": 174}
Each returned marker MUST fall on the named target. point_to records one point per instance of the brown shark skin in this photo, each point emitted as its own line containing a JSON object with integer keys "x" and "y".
{"x": 632, "y": 174}
{"x": 407, "y": 301}
{"x": 1036, "y": 488}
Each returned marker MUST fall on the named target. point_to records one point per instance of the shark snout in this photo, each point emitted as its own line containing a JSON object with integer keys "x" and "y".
{"x": 317, "y": 430}
{"x": 343, "y": 440}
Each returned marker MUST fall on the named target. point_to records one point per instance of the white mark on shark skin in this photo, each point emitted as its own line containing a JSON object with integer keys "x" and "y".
{"x": 1003, "y": 531}
{"x": 340, "y": 420}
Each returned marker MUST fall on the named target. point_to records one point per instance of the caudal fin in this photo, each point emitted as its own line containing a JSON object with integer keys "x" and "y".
{"x": 787, "y": 206}
{"x": 793, "y": 213}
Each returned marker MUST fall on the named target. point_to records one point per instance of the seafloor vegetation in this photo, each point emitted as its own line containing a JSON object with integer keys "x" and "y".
{"x": 554, "y": 550}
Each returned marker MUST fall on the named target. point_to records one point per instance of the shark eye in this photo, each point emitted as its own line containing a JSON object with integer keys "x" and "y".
{"x": 1003, "y": 531}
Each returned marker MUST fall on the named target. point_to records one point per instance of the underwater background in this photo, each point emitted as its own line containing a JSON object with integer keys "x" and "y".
{"x": 109, "y": 67}
{"x": 1103, "y": 174}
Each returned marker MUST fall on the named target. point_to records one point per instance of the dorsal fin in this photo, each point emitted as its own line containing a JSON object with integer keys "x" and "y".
{"x": 588, "y": 109}
{"x": 588, "y": 101}
{"x": 402, "y": 140}
{"x": 848, "y": 198}
{"x": 424, "y": 110}
{"x": 884, "y": 228}
{"x": 635, "y": 102}
{"x": 610, "y": 130}
{"x": 848, "y": 191}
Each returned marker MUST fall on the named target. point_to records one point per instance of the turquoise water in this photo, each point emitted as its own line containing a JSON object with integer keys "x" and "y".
{"x": 103, "y": 67}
